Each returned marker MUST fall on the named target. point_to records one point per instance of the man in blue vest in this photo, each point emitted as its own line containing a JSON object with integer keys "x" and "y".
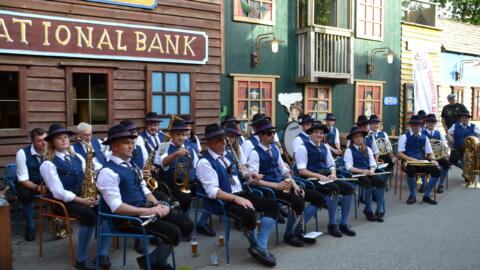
{"x": 140, "y": 154}
{"x": 28, "y": 162}
{"x": 376, "y": 134}
{"x": 190, "y": 138}
{"x": 434, "y": 136}
{"x": 219, "y": 178}
{"x": 458, "y": 133}
{"x": 305, "y": 121}
{"x": 152, "y": 136}
{"x": 84, "y": 135}
{"x": 253, "y": 140}
{"x": 413, "y": 146}
{"x": 125, "y": 193}
{"x": 333, "y": 136}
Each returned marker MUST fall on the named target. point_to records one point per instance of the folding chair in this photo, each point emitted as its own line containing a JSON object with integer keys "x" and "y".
{"x": 10, "y": 177}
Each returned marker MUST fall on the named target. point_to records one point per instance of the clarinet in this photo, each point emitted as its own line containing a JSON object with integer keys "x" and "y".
{"x": 153, "y": 217}
{"x": 246, "y": 184}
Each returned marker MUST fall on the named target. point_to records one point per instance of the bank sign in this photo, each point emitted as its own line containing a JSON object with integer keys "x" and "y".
{"x": 32, "y": 34}
{"x": 151, "y": 4}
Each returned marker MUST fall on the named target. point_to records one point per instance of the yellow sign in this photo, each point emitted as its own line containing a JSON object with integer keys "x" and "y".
{"x": 131, "y": 3}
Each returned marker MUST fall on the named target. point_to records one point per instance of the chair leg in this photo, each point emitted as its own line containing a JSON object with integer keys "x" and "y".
{"x": 173, "y": 259}
{"x": 401, "y": 185}
{"x": 145, "y": 242}
{"x": 40, "y": 241}
{"x": 276, "y": 232}
{"x": 98, "y": 245}
{"x": 226, "y": 227}
{"x": 70, "y": 243}
{"x": 125, "y": 250}
{"x": 17, "y": 218}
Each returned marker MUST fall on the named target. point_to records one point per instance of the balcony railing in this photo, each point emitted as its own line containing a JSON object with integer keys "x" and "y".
{"x": 325, "y": 53}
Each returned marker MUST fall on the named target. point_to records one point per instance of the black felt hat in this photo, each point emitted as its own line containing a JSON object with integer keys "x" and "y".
{"x": 152, "y": 117}
{"x": 129, "y": 125}
{"x": 304, "y": 119}
{"x": 318, "y": 126}
{"x": 374, "y": 119}
{"x": 118, "y": 132}
{"x": 213, "y": 131}
{"x": 231, "y": 128}
{"x": 362, "y": 120}
{"x": 330, "y": 116}
{"x": 263, "y": 125}
{"x": 464, "y": 113}
{"x": 415, "y": 120}
{"x": 431, "y": 118}
{"x": 230, "y": 119}
{"x": 178, "y": 125}
{"x": 354, "y": 131}
{"x": 188, "y": 120}
{"x": 57, "y": 129}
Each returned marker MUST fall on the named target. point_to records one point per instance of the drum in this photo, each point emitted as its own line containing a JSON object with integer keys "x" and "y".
{"x": 291, "y": 131}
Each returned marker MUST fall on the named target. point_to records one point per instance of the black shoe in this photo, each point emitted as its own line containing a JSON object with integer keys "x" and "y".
{"x": 30, "y": 234}
{"x": 142, "y": 263}
{"x": 345, "y": 228}
{"x": 429, "y": 200}
{"x": 104, "y": 262}
{"x": 263, "y": 256}
{"x": 280, "y": 219}
{"x": 421, "y": 189}
{"x": 379, "y": 216}
{"x": 309, "y": 241}
{"x": 205, "y": 230}
{"x": 333, "y": 230}
{"x": 85, "y": 265}
{"x": 440, "y": 189}
{"x": 371, "y": 216}
{"x": 293, "y": 240}
{"x": 140, "y": 246}
{"x": 411, "y": 199}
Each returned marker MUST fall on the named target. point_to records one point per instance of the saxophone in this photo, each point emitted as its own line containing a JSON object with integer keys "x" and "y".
{"x": 182, "y": 173}
{"x": 152, "y": 184}
{"x": 89, "y": 188}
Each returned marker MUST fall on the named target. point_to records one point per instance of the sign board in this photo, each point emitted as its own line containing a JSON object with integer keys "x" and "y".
{"x": 32, "y": 34}
{"x": 151, "y": 4}
{"x": 390, "y": 101}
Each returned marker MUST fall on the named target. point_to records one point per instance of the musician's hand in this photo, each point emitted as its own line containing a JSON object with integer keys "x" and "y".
{"x": 182, "y": 152}
{"x": 435, "y": 163}
{"x": 147, "y": 173}
{"x": 284, "y": 185}
{"x": 244, "y": 202}
{"x": 255, "y": 177}
{"x": 89, "y": 202}
{"x": 332, "y": 177}
{"x": 299, "y": 191}
{"x": 368, "y": 172}
{"x": 161, "y": 210}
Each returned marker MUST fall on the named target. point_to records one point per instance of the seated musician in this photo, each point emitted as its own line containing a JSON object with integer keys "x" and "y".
{"x": 359, "y": 160}
{"x": 305, "y": 121}
{"x": 413, "y": 146}
{"x": 314, "y": 159}
{"x": 191, "y": 139}
{"x": 63, "y": 172}
{"x": 253, "y": 140}
{"x": 265, "y": 159}
{"x": 152, "y": 136}
{"x": 230, "y": 119}
{"x": 458, "y": 133}
{"x": 376, "y": 133}
{"x": 333, "y": 136}
{"x": 28, "y": 162}
{"x": 125, "y": 193}
{"x": 363, "y": 124}
{"x": 433, "y": 134}
{"x": 140, "y": 153}
{"x": 423, "y": 116}
{"x": 178, "y": 153}
{"x": 84, "y": 134}
{"x": 218, "y": 178}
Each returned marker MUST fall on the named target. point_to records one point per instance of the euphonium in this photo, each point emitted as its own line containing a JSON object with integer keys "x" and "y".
{"x": 439, "y": 150}
{"x": 181, "y": 176}
{"x": 471, "y": 161}
{"x": 151, "y": 182}
{"x": 383, "y": 146}
{"x": 89, "y": 188}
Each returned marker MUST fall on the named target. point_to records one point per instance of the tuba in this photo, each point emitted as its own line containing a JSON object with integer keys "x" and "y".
{"x": 471, "y": 161}
{"x": 89, "y": 188}
{"x": 152, "y": 184}
{"x": 383, "y": 146}
{"x": 181, "y": 176}
{"x": 439, "y": 150}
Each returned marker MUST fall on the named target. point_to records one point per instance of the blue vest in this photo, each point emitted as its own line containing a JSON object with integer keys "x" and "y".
{"x": 415, "y": 147}
{"x": 137, "y": 157}
{"x": 360, "y": 159}
{"x": 380, "y": 134}
{"x": 305, "y": 138}
{"x": 71, "y": 174}
{"x": 331, "y": 136}
{"x": 369, "y": 141}
{"x": 268, "y": 165}
{"x": 96, "y": 146}
{"x": 436, "y": 134}
{"x": 33, "y": 165}
{"x": 130, "y": 184}
{"x": 254, "y": 141}
{"x": 190, "y": 144}
{"x": 317, "y": 157}
{"x": 151, "y": 141}
{"x": 460, "y": 134}
{"x": 169, "y": 174}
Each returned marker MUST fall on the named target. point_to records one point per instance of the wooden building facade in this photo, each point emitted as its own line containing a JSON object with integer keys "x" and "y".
{"x": 168, "y": 61}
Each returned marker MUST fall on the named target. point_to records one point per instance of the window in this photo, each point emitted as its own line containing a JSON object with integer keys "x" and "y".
{"x": 458, "y": 91}
{"x": 254, "y": 11}
{"x": 368, "y": 98}
{"x": 252, "y": 95}
{"x": 318, "y": 101}
{"x": 171, "y": 94}
{"x": 476, "y": 103}
{"x": 9, "y": 100}
{"x": 334, "y": 13}
{"x": 370, "y": 19}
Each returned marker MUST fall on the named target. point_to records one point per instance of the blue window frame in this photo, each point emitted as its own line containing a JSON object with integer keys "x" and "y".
{"x": 171, "y": 94}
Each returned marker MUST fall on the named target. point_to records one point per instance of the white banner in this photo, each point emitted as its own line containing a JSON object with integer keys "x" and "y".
{"x": 425, "y": 88}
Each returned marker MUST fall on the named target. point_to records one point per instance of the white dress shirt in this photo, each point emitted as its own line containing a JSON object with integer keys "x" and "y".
{"x": 154, "y": 139}
{"x": 207, "y": 175}
{"x": 476, "y": 129}
{"x": 21, "y": 161}
{"x": 402, "y": 142}
{"x": 254, "y": 160}
{"x": 96, "y": 164}
{"x": 297, "y": 142}
{"x": 49, "y": 173}
{"x": 241, "y": 156}
{"x": 158, "y": 160}
{"x": 301, "y": 157}
{"x": 374, "y": 147}
{"x": 442, "y": 137}
{"x": 348, "y": 158}
{"x": 247, "y": 146}
{"x": 108, "y": 183}
{"x": 337, "y": 134}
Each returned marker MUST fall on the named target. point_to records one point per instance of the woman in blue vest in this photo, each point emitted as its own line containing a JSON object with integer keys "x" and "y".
{"x": 63, "y": 173}
{"x": 28, "y": 160}
{"x": 433, "y": 134}
{"x": 314, "y": 159}
{"x": 458, "y": 133}
{"x": 359, "y": 159}
{"x": 413, "y": 146}
{"x": 191, "y": 139}
{"x": 363, "y": 124}
{"x": 125, "y": 193}
{"x": 376, "y": 134}
{"x": 152, "y": 135}
{"x": 306, "y": 122}
{"x": 84, "y": 134}
{"x": 333, "y": 136}
{"x": 230, "y": 119}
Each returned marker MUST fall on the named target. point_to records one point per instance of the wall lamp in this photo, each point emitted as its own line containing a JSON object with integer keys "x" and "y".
{"x": 458, "y": 74}
{"x": 274, "y": 42}
{"x": 388, "y": 53}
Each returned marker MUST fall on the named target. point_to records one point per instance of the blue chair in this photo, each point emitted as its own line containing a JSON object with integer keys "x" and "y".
{"x": 105, "y": 215}
{"x": 10, "y": 177}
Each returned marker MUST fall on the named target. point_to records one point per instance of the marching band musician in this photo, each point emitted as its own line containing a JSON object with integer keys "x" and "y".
{"x": 253, "y": 140}
{"x": 84, "y": 134}
{"x": 333, "y": 136}
{"x": 233, "y": 136}
{"x": 140, "y": 153}
{"x": 190, "y": 138}
{"x": 177, "y": 152}
{"x": 230, "y": 119}
{"x": 63, "y": 172}
{"x": 314, "y": 159}
{"x": 359, "y": 159}
{"x": 152, "y": 135}
{"x": 219, "y": 179}
{"x": 423, "y": 116}
{"x": 28, "y": 160}
{"x": 305, "y": 121}
{"x": 363, "y": 123}
{"x": 125, "y": 193}
{"x": 413, "y": 146}
{"x": 376, "y": 133}
{"x": 458, "y": 133}
{"x": 265, "y": 159}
